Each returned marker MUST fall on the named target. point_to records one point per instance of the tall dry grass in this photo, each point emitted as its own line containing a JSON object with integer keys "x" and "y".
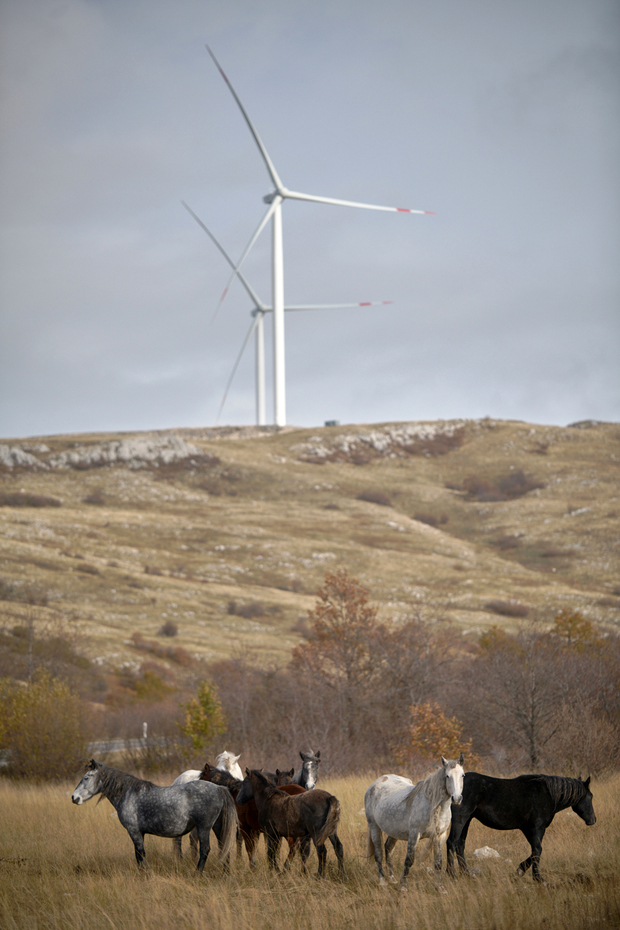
{"x": 63, "y": 866}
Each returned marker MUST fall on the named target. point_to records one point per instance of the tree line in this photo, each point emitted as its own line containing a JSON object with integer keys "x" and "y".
{"x": 372, "y": 696}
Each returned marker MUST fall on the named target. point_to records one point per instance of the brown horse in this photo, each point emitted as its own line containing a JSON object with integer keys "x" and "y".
{"x": 249, "y": 825}
{"x": 314, "y": 814}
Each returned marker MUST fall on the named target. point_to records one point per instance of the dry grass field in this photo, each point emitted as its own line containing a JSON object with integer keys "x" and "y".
{"x": 231, "y": 541}
{"x": 65, "y": 866}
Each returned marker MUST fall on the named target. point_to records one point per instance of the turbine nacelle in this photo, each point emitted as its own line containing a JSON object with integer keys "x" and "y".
{"x": 269, "y": 198}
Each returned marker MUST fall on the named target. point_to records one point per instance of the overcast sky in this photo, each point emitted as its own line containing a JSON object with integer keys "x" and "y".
{"x": 501, "y": 117}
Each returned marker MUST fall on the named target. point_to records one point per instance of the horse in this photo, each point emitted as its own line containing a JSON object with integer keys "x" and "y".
{"x": 226, "y": 762}
{"x": 527, "y": 803}
{"x": 408, "y": 811}
{"x": 314, "y": 813}
{"x": 249, "y": 825}
{"x": 143, "y": 807}
{"x": 308, "y": 775}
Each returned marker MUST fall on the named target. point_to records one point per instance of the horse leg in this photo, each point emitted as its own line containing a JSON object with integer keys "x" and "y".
{"x": 292, "y": 847}
{"x": 374, "y": 844}
{"x": 412, "y": 842}
{"x": 439, "y": 840}
{"x": 138, "y": 845}
{"x": 534, "y": 837}
{"x": 177, "y": 847}
{"x": 322, "y": 854}
{"x": 304, "y": 851}
{"x": 390, "y": 843}
{"x": 273, "y": 844}
{"x": 456, "y": 844}
{"x": 205, "y": 845}
{"x": 334, "y": 839}
{"x": 193, "y": 842}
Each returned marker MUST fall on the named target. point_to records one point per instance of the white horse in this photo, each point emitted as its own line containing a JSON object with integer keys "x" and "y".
{"x": 225, "y": 762}
{"x": 411, "y": 812}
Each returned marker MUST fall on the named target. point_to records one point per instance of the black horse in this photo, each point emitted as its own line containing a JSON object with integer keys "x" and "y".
{"x": 527, "y": 803}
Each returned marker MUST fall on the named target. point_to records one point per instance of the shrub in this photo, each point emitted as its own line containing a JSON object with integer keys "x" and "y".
{"x": 511, "y": 486}
{"x": 375, "y": 497}
{"x": 507, "y": 542}
{"x": 507, "y": 608}
{"x": 23, "y": 499}
{"x": 173, "y": 653}
{"x": 169, "y": 628}
{"x": 95, "y": 497}
{"x": 430, "y": 519}
{"x": 43, "y": 728}
{"x": 88, "y": 569}
{"x": 28, "y": 593}
{"x": 204, "y": 719}
{"x": 430, "y": 734}
{"x": 248, "y": 611}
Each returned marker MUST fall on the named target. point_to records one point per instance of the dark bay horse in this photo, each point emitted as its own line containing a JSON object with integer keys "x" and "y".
{"x": 247, "y": 813}
{"x": 173, "y": 811}
{"x": 527, "y": 803}
{"x": 314, "y": 814}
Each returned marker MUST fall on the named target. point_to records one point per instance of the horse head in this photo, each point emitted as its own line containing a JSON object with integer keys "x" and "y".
{"x": 310, "y": 768}
{"x": 454, "y": 775}
{"x": 284, "y": 778}
{"x": 89, "y": 785}
{"x": 584, "y": 806}
{"x": 229, "y": 762}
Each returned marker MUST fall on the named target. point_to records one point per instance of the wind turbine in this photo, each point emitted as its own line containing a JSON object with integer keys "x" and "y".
{"x": 258, "y": 315}
{"x": 275, "y": 199}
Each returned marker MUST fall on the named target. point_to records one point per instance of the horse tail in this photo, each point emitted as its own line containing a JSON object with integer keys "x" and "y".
{"x": 229, "y": 823}
{"x": 332, "y": 820}
{"x": 370, "y": 846}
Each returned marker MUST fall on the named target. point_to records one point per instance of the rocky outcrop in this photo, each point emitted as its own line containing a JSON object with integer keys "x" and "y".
{"x": 391, "y": 440}
{"x": 134, "y": 452}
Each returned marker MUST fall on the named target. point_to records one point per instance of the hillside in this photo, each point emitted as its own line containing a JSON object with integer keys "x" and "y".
{"x": 228, "y": 533}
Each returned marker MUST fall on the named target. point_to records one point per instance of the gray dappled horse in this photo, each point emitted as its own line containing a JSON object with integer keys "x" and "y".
{"x": 143, "y": 807}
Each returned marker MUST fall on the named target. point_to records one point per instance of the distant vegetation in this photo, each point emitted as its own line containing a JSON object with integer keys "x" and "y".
{"x": 355, "y": 687}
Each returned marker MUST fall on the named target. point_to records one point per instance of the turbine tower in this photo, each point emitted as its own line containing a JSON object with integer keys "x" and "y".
{"x": 258, "y": 315}
{"x": 275, "y": 199}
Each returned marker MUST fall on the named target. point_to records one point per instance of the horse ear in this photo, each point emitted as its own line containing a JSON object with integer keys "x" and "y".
{"x": 461, "y": 759}
{"x": 236, "y": 759}
{"x": 444, "y": 762}
{"x": 247, "y": 771}
{"x": 318, "y": 753}
{"x": 587, "y": 781}
{"x": 92, "y": 764}
{"x": 301, "y": 756}
{"x": 290, "y": 773}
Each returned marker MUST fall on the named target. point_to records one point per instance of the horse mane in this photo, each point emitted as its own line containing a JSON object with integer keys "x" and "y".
{"x": 115, "y": 783}
{"x": 564, "y": 791}
{"x": 432, "y": 787}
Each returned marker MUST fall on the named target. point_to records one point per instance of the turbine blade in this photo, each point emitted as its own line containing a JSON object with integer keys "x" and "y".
{"x": 238, "y": 359}
{"x": 273, "y": 174}
{"x": 252, "y": 293}
{"x": 364, "y": 303}
{"x": 295, "y": 195}
{"x": 272, "y": 206}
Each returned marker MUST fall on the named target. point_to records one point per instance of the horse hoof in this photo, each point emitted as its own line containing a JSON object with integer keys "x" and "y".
{"x": 403, "y": 889}
{"x": 521, "y": 872}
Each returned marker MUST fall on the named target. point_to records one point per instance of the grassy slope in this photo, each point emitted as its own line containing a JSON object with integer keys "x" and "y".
{"x": 264, "y": 526}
